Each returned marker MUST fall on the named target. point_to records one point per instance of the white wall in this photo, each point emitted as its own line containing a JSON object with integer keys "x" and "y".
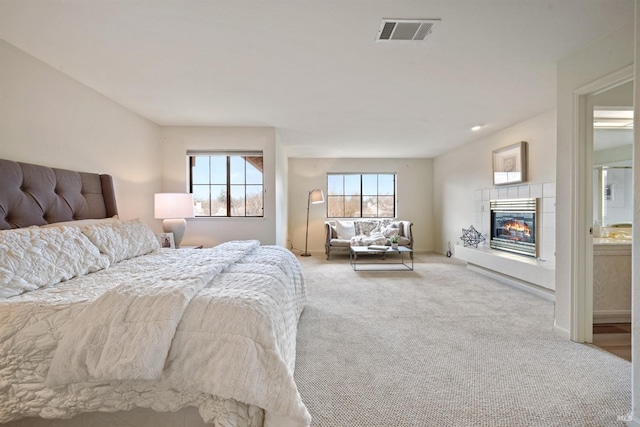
{"x": 414, "y": 195}
{"x": 50, "y": 119}
{"x": 620, "y": 155}
{"x": 212, "y": 231}
{"x": 463, "y": 180}
{"x": 282, "y": 193}
{"x": 587, "y": 65}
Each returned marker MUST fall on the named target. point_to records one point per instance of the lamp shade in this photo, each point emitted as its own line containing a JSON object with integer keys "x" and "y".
{"x": 173, "y": 205}
{"x": 316, "y": 196}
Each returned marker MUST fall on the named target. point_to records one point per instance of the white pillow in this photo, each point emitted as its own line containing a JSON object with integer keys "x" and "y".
{"x": 35, "y": 257}
{"x": 122, "y": 240}
{"x": 345, "y": 229}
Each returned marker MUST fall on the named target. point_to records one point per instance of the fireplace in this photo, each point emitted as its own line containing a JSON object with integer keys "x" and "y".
{"x": 514, "y": 226}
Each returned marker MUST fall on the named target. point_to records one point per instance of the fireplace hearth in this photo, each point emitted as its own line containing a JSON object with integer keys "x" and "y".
{"x": 514, "y": 226}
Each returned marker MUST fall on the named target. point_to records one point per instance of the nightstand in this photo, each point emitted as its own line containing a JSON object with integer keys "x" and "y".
{"x": 190, "y": 247}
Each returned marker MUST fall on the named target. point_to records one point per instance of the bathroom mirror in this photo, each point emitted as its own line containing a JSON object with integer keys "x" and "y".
{"x": 613, "y": 172}
{"x": 613, "y": 195}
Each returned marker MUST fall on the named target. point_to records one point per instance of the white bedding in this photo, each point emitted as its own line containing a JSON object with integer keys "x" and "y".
{"x": 226, "y": 344}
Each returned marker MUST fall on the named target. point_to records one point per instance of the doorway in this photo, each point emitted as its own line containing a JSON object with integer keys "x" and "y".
{"x": 582, "y": 225}
{"x": 612, "y": 218}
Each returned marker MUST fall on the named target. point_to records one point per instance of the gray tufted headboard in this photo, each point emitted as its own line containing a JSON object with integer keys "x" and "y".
{"x": 38, "y": 195}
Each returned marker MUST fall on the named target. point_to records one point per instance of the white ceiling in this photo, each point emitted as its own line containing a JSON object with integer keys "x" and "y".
{"x": 312, "y": 69}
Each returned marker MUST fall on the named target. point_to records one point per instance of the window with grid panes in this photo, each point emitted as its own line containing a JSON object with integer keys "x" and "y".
{"x": 227, "y": 184}
{"x": 361, "y": 195}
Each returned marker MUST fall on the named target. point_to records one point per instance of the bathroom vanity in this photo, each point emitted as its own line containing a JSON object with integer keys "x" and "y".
{"x": 612, "y": 279}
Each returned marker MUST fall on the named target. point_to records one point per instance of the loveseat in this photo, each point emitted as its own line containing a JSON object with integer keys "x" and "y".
{"x": 341, "y": 234}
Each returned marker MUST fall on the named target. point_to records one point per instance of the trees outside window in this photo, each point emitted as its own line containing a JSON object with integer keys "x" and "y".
{"x": 226, "y": 185}
{"x": 357, "y": 195}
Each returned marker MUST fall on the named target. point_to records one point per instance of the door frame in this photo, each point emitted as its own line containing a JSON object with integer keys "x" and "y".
{"x": 582, "y": 202}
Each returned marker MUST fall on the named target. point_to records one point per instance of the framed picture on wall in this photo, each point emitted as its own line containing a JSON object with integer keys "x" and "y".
{"x": 166, "y": 240}
{"x": 510, "y": 164}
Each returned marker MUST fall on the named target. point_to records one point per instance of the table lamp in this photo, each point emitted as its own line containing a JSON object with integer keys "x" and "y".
{"x": 173, "y": 208}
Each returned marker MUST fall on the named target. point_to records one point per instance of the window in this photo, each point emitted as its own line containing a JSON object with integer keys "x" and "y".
{"x": 361, "y": 195}
{"x": 227, "y": 184}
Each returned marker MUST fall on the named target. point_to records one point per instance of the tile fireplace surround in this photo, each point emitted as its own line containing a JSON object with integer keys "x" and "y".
{"x": 536, "y": 275}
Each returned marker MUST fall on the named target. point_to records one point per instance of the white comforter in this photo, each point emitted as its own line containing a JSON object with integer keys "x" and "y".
{"x": 212, "y": 328}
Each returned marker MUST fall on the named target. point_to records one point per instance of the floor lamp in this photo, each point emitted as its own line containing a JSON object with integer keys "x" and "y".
{"x": 315, "y": 196}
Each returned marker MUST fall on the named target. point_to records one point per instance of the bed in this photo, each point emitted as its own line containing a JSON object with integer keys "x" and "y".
{"x": 96, "y": 318}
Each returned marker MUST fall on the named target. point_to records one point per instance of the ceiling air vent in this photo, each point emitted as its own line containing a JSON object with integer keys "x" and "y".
{"x": 405, "y": 29}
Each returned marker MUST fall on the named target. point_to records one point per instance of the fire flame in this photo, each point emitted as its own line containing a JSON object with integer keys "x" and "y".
{"x": 517, "y": 227}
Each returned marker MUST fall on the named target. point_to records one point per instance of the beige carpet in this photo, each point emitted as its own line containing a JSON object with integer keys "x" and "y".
{"x": 443, "y": 346}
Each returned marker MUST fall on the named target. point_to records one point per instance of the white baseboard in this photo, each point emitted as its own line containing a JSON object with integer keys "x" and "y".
{"x": 632, "y": 421}
{"x": 520, "y": 284}
{"x": 561, "y": 332}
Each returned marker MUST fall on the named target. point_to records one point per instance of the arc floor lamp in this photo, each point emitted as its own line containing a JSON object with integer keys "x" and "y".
{"x": 315, "y": 196}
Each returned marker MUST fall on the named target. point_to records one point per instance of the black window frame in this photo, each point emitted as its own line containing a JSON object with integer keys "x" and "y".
{"x": 361, "y": 195}
{"x": 191, "y": 156}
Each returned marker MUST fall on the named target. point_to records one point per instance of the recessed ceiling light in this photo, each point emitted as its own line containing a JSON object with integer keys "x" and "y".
{"x": 476, "y": 127}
